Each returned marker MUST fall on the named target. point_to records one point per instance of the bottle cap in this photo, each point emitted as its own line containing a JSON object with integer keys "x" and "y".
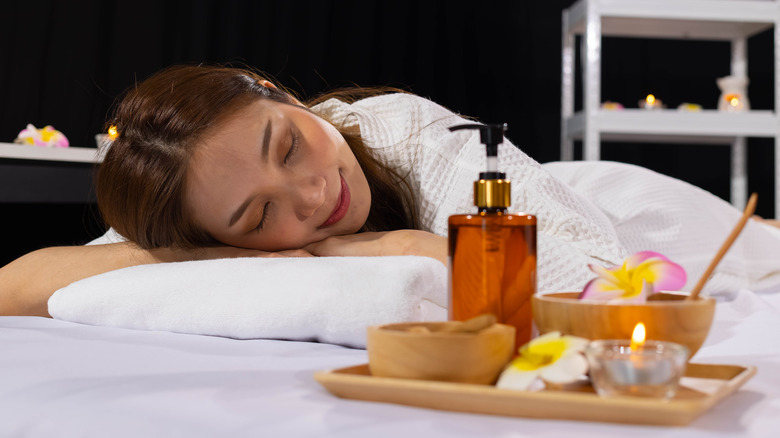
{"x": 492, "y": 193}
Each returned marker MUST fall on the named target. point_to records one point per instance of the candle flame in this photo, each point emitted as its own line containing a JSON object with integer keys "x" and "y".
{"x": 732, "y": 99}
{"x": 638, "y": 337}
{"x": 650, "y": 99}
{"x": 112, "y": 132}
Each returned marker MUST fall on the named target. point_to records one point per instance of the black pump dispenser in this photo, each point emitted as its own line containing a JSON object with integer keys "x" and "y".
{"x": 492, "y": 252}
{"x": 493, "y": 191}
{"x": 491, "y": 135}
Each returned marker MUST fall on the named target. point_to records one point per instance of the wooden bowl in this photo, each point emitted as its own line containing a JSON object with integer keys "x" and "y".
{"x": 668, "y": 317}
{"x": 394, "y": 351}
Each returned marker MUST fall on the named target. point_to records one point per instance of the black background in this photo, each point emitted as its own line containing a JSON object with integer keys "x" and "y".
{"x": 63, "y": 63}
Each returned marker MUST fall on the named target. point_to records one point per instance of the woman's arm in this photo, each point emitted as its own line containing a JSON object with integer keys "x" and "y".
{"x": 27, "y": 283}
{"x": 387, "y": 243}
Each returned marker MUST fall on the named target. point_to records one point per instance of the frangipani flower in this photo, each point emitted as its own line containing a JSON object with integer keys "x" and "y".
{"x": 642, "y": 274}
{"x": 47, "y": 136}
{"x": 553, "y": 358}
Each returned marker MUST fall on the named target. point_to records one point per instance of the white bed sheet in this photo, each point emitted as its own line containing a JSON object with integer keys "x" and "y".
{"x": 64, "y": 379}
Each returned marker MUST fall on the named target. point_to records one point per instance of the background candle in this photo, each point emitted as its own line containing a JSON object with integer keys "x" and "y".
{"x": 650, "y": 102}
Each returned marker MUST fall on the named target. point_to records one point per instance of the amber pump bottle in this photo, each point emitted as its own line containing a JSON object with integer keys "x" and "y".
{"x": 492, "y": 253}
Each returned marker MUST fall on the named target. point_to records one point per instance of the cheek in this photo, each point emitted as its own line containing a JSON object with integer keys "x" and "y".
{"x": 324, "y": 138}
{"x": 363, "y": 206}
{"x": 323, "y": 150}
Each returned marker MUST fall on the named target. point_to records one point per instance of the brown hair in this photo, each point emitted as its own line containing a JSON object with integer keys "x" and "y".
{"x": 140, "y": 184}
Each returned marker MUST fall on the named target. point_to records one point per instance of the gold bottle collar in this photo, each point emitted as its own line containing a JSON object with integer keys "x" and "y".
{"x": 492, "y": 193}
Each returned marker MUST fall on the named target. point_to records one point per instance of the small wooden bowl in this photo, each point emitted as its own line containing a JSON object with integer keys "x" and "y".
{"x": 394, "y": 351}
{"x": 667, "y": 317}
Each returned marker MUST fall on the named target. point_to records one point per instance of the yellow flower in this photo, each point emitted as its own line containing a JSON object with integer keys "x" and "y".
{"x": 553, "y": 358}
{"x": 641, "y": 275}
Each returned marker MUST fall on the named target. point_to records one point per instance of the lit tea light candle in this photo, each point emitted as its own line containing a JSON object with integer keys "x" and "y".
{"x": 638, "y": 336}
{"x": 636, "y": 367}
{"x": 734, "y": 102}
{"x": 650, "y": 102}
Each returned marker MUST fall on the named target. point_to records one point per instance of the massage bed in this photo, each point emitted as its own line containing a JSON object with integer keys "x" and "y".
{"x": 61, "y": 378}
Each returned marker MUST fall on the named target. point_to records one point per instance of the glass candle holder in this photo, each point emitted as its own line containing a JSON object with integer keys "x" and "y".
{"x": 651, "y": 103}
{"x": 652, "y": 369}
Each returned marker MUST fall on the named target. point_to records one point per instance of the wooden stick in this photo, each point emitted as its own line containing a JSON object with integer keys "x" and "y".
{"x": 749, "y": 209}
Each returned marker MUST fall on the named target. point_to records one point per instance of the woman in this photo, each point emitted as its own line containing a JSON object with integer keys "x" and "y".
{"x": 260, "y": 162}
{"x": 215, "y": 162}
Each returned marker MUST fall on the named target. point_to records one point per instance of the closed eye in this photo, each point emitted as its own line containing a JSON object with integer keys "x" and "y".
{"x": 263, "y": 218}
{"x": 294, "y": 142}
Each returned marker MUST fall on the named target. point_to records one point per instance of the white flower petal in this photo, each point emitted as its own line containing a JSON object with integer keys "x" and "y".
{"x": 511, "y": 378}
{"x": 575, "y": 343}
{"x": 566, "y": 370}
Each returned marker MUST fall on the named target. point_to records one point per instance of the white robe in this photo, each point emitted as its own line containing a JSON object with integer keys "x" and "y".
{"x": 587, "y": 212}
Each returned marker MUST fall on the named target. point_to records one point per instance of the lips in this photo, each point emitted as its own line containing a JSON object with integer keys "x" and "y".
{"x": 342, "y": 205}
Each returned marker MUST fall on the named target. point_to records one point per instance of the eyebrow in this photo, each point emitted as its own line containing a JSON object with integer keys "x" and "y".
{"x": 239, "y": 212}
{"x": 264, "y": 151}
{"x": 266, "y": 141}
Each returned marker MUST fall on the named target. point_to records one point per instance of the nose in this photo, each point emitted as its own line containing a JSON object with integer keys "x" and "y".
{"x": 309, "y": 195}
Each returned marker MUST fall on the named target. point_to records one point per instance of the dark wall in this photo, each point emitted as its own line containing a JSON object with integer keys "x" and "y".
{"x": 63, "y": 63}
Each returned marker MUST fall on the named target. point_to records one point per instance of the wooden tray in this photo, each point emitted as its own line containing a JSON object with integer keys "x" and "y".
{"x": 703, "y": 386}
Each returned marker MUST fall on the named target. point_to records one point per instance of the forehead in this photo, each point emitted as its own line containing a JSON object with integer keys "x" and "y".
{"x": 244, "y": 121}
{"x": 223, "y": 159}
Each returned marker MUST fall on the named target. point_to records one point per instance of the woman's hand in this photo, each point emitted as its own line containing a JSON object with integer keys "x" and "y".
{"x": 387, "y": 243}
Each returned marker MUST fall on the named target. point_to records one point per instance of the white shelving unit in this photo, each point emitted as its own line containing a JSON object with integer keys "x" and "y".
{"x": 718, "y": 20}
{"x": 71, "y": 154}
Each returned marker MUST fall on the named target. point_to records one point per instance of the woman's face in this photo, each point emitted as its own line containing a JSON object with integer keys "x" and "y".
{"x": 276, "y": 176}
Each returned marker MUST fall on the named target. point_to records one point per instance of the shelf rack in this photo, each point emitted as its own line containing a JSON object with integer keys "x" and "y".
{"x": 70, "y": 154}
{"x": 714, "y": 20}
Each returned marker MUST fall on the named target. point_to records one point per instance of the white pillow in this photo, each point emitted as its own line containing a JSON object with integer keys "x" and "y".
{"x": 327, "y": 299}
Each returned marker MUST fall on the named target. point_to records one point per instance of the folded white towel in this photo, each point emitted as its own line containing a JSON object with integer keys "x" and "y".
{"x": 328, "y": 299}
